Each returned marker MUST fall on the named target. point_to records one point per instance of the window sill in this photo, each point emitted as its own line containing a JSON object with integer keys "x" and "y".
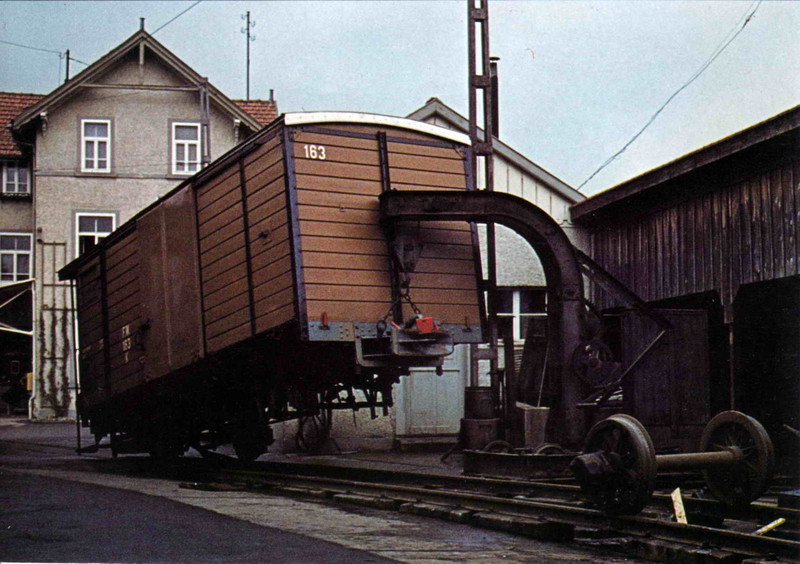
{"x": 84, "y": 174}
{"x": 13, "y": 197}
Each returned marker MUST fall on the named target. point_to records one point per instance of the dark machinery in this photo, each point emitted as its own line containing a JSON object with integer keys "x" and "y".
{"x": 586, "y": 375}
{"x": 618, "y": 469}
{"x": 564, "y": 278}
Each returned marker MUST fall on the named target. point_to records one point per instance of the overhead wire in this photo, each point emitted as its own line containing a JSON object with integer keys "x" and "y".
{"x": 31, "y": 48}
{"x": 62, "y": 54}
{"x": 176, "y": 17}
{"x": 726, "y": 41}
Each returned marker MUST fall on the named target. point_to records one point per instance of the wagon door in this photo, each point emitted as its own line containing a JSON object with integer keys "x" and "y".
{"x": 170, "y": 291}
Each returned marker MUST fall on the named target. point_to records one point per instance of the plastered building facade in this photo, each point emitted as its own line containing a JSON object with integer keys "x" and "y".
{"x": 100, "y": 148}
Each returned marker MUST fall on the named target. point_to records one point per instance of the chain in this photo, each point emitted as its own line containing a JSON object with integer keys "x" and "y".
{"x": 404, "y": 295}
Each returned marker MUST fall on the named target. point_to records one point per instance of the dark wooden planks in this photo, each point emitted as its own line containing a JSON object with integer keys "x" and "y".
{"x": 109, "y": 302}
{"x": 742, "y": 232}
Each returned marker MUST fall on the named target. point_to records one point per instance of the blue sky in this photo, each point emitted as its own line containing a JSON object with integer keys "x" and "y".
{"x": 577, "y": 79}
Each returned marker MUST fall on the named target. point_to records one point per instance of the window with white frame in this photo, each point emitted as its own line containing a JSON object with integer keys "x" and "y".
{"x": 93, "y": 228}
{"x": 520, "y": 304}
{"x": 16, "y": 179}
{"x": 95, "y": 145}
{"x": 15, "y": 257}
{"x": 185, "y": 148}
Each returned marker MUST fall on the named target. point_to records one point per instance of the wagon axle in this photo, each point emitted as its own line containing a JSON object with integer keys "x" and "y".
{"x": 618, "y": 468}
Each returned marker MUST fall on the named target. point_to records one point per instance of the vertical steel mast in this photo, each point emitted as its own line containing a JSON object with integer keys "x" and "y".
{"x": 482, "y": 103}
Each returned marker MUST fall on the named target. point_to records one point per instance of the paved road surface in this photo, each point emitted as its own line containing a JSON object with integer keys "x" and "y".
{"x": 50, "y": 520}
{"x": 57, "y": 506}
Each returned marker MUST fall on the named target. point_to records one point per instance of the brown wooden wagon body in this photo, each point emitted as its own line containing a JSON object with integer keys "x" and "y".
{"x": 254, "y": 292}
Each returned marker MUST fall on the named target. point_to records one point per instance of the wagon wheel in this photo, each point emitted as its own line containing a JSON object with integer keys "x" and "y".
{"x": 251, "y": 432}
{"x": 630, "y": 450}
{"x": 247, "y": 451}
{"x": 587, "y": 358}
{"x": 745, "y": 481}
{"x": 314, "y": 431}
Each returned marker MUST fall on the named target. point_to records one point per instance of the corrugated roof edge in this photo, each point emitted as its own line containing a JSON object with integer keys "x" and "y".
{"x": 708, "y": 154}
{"x": 301, "y": 118}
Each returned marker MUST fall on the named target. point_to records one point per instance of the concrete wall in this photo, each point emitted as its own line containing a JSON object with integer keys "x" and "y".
{"x": 16, "y": 216}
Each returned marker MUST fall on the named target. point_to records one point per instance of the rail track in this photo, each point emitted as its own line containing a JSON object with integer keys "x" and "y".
{"x": 546, "y": 510}
{"x": 540, "y": 509}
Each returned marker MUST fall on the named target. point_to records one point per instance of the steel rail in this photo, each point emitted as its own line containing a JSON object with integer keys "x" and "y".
{"x": 757, "y": 512}
{"x": 635, "y": 526}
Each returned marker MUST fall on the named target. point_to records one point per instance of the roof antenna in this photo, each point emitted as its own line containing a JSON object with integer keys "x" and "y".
{"x": 141, "y": 24}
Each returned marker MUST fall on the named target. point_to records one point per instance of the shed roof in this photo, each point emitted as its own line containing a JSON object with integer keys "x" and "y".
{"x": 778, "y": 130}
{"x": 434, "y": 107}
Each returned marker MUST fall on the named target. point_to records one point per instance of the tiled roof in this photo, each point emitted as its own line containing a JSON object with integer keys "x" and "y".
{"x": 11, "y": 104}
{"x": 263, "y": 111}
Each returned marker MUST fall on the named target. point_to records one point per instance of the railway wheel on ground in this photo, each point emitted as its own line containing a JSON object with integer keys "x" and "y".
{"x": 164, "y": 439}
{"x": 619, "y": 474}
{"x": 739, "y": 484}
{"x": 247, "y": 451}
{"x": 252, "y": 434}
{"x": 314, "y": 431}
{"x": 164, "y": 448}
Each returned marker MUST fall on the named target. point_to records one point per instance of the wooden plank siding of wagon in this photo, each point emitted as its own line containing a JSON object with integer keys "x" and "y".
{"x": 272, "y": 280}
{"x": 243, "y": 247}
{"x": 123, "y": 306}
{"x": 264, "y": 237}
{"x": 90, "y": 333}
{"x": 448, "y": 245}
{"x": 345, "y": 257}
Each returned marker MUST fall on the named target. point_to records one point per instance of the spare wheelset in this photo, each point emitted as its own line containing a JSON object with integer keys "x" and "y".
{"x": 618, "y": 467}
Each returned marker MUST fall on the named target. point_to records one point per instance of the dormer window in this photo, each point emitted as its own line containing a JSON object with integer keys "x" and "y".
{"x": 16, "y": 179}
{"x": 185, "y": 148}
{"x": 95, "y": 145}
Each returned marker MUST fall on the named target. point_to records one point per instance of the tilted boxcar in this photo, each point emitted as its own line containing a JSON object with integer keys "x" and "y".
{"x": 265, "y": 288}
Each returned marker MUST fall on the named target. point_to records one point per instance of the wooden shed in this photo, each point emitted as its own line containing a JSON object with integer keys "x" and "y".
{"x": 279, "y": 241}
{"x": 718, "y": 232}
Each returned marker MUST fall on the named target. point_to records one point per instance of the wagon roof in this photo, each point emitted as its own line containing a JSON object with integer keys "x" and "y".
{"x": 219, "y": 164}
{"x": 302, "y": 118}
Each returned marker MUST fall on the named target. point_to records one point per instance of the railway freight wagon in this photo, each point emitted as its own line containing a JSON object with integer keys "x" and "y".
{"x": 265, "y": 288}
